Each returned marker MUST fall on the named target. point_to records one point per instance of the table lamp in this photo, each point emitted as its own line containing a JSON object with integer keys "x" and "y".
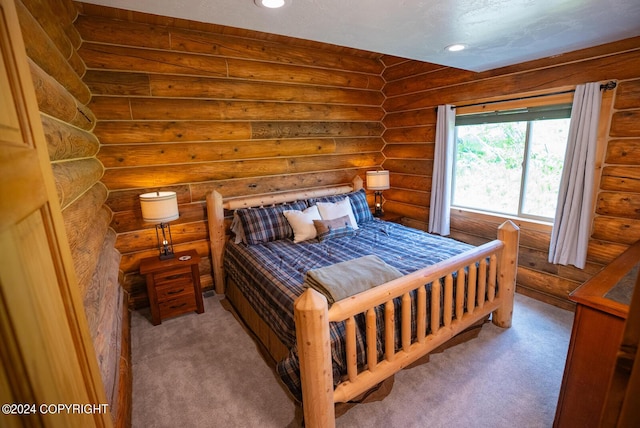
{"x": 160, "y": 208}
{"x": 377, "y": 181}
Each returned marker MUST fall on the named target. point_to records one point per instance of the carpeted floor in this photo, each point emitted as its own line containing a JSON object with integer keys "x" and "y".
{"x": 204, "y": 371}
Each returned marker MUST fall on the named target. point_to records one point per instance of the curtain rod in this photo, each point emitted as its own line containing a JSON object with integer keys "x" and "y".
{"x": 606, "y": 86}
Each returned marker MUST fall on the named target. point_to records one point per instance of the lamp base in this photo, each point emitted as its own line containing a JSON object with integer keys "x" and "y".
{"x": 377, "y": 212}
{"x": 165, "y": 244}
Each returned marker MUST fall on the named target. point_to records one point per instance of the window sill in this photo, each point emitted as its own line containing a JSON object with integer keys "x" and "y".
{"x": 530, "y": 224}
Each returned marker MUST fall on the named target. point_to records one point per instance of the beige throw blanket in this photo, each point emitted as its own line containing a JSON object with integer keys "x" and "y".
{"x": 345, "y": 279}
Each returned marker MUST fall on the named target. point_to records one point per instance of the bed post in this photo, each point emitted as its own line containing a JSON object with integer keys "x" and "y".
{"x": 357, "y": 183}
{"x": 509, "y": 234}
{"x": 215, "y": 218}
{"x": 314, "y": 351}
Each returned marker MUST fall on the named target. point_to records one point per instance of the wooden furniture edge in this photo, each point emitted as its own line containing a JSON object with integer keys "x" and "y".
{"x": 595, "y": 344}
{"x": 592, "y": 293}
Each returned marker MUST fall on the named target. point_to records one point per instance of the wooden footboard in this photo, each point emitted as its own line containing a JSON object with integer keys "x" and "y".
{"x": 312, "y": 318}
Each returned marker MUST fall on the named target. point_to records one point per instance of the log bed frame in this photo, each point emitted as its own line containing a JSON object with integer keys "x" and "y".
{"x": 312, "y": 315}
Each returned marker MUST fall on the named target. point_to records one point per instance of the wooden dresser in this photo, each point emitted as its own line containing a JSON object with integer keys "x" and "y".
{"x": 602, "y": 305}
{"x": 173, "y": 285}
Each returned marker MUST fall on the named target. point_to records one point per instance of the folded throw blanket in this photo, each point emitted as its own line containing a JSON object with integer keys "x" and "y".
{"x": 345, "y": 279}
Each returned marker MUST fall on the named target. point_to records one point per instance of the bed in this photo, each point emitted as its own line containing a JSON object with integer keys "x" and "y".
{"x": 330, "y": 351}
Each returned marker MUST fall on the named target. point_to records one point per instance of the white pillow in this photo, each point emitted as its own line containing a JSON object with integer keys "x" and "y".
{"x": 302, "y": 223}
{"x": 333, "y": 210}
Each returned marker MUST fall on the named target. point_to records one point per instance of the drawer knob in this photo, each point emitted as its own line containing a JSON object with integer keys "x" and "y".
{"x": 175, "y": 291}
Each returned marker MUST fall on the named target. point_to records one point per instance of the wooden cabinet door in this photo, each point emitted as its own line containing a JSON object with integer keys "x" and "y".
{"x": 622, "y": 407}
{"x": 45, "y": 349}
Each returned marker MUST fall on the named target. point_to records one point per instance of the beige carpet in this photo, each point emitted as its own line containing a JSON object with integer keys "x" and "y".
{"x": 204, "y": 371}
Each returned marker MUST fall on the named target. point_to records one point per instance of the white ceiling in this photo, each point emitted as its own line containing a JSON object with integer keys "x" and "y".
{"x": 497, "y": 32}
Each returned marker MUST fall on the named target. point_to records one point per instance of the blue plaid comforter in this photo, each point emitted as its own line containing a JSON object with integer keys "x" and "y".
{"x": 271, "y": 276}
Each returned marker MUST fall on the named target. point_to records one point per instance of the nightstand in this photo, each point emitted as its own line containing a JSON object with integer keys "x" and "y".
{"x": 389, "y": 216}
{"x": 173, "y": 285}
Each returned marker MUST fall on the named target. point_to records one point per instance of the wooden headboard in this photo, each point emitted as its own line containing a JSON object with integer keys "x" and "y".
{"x": 216, "y": 206}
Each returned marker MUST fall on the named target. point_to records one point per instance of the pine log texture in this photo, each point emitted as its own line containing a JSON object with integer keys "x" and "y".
{"x": 79, "y": 216}
{"x": 623, "y": 178}
{"x": 189, "y": 109}
{"x": 67, "y": 13}
{"x": 52, "y": 97}
{"x": 87, "y": 250}
{"x": 506, "y": 82}
{"x": 56, "y": 70}
{"x": 73, "y": 178}
{"x": 56, "y": 101}
{"x": 169, "y": 153}
{"x": 413, "y": 92}
{"x": 258, "y": 185}
{"x": 43, "y": 51}
{"x": 626, "y": 123}
{"x": 103, "y": 303}
{"x": 67, "y": 142}
{"x": 618, "y": 204}
{"x": 628, "y": 95}
{"x": 131, "y": 221}
{"x": 76, "y": 62}
{"x": 200, "y": 107}
{"x": 46, "y": 16}
{"x": 167, "y": 175}
{"x": 192, "y": 108}
{"x": 623, "y": 152}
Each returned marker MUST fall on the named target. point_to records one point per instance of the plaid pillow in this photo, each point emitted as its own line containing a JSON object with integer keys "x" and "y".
{"x": 361, "y": 210}
{"x": 358, "y": 200}
{"x": 336, "y": 228}
{"x": 267, "y": 224}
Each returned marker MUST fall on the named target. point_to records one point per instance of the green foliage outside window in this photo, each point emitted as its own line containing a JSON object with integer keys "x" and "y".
{"x": 510, "y": 167}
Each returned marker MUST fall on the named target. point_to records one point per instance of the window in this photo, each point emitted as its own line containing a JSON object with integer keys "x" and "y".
{"x": 510, "y": 162}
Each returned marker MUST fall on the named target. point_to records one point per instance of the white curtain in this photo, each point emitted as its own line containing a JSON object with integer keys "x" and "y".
{"x": 572, "y": 226}
{"x": 442, "y": 171}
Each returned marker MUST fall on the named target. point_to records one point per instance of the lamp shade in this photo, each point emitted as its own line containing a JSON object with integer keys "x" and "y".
{"x": 159, "y": 207}
{"x": 377, "y": 180}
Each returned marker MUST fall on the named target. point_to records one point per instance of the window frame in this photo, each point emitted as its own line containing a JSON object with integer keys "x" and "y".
{"x": 562, "y": 99}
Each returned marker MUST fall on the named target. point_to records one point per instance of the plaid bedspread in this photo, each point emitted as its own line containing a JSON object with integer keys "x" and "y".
{"x": 271, "y": 276}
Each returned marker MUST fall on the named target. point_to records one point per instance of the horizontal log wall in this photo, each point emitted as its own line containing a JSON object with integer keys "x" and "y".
{"x": 414, "y": 89}
{"x": 52, "y": 43}
{"x": 68, "y": 124}
{"x": 193, "y": 107}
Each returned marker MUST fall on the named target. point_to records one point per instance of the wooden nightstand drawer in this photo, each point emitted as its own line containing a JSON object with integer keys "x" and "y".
{"x": 173, "y": 278}
{"x": 174, "y": 289}
{"x": 185, "y": 302}
{"x": 173, "y": 285}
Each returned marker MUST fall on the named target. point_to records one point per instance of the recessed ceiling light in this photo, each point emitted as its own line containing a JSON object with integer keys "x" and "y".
{"x": 455, "y": 47}
{"x": 272, "y": 4}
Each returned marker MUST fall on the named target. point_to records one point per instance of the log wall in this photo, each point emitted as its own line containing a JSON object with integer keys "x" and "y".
{"x": 414, "y": 89}
{"x": 52, "y": 44}
{"x": 192, "y": 108}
